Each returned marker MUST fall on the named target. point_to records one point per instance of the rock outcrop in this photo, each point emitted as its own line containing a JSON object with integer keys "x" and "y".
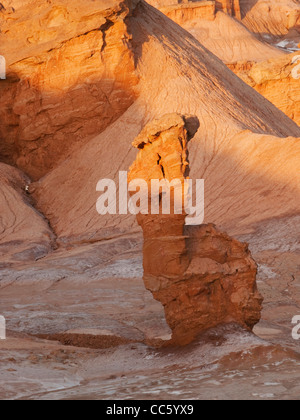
{"x": 277, "y": 80}
{"x": 202, "y": 8}
{"x": 275, "y": 17}
{"x": 219, "y": 32}
{"x": 231, "y": 7}
{"x": 185, "y": 12}
{"x": 91, "y": 290}
{"x": 70, "y": 74}
{"x": 241, "y": 50}
{"x": 201, "y": 276}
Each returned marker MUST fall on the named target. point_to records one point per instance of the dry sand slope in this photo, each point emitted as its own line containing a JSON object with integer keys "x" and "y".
{"x": 237, "y": 129}
{"x": 220, "y": 33}
{"x": 25, "y": 234}
{"x": 266, "y": 59}
{"x": 246, "y": 150}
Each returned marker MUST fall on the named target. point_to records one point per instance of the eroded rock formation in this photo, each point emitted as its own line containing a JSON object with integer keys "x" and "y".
{"x": 275, "y": 17}
{"x": 204, "y": 8}
{"x": 201, "y": 276}
{"x": 231, "y": 7}
{"x": 70, "y": 74}
{"x": 215, "y": 25}
{"x": 277, "y": 80}
{"x": 185, "y": 12}
{"x": 240, "y": 131}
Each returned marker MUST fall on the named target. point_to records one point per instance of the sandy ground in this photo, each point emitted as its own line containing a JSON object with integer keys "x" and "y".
{"x": 93, "y": 296}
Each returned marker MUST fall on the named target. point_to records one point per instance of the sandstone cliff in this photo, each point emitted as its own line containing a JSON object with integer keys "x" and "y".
{"x": 90, "y": 292}
{"x": 185, "y": 12}
{"x": 231, "y": 7}
{"x": 70, "y": 73}
{"x": 202, "y": 8}
{"x": 224, "y": 36}
{"x": 277, "y": 80}
{"x": 275, "y": 17}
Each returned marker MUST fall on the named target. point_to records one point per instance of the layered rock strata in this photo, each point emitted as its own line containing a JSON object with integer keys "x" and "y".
{"x": 70, "y": 74}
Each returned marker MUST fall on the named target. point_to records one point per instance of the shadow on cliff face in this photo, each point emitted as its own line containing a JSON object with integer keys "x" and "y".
{"x": 9, "y": 120}
{"x": 39, "y": 129}
{"x": 246, "y": 6}
{"x": 237, "y": 196}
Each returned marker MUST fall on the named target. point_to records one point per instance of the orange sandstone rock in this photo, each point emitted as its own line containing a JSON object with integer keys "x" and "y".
{"x": 202, "y": 277}
{"x": 241, "y": 50}
{"x": 70, "y": 74}
{"x": 231, "y": 7}
{"x": 185, "y": 12}
{"x": 278, "y": 81}
{"x": 276, "y": 17}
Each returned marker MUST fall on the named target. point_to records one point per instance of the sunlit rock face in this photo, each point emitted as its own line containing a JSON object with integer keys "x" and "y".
{"x": 90, "y": 290}
{"x": 202, "y": 277}
{"x": 231, "y": 7}
{"x": 277, "y": 80}
{"x": 185, "y": 10}
{"x": 252, "y": 38}
{"x": 276, "y": 17}
{"x": 70, "y": 74}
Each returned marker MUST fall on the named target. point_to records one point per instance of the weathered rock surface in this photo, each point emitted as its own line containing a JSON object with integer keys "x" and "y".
{"x": 231, "y": 7}
{"x": 224, "y": 36}
{"x": 278, "y": 81}
{"x": 202, "y": 277}
{"x": 185, "y": 12}
{"x": 24, "y": 233}
{"x": 275, "y": 17}
{"x": 251, "y": 166}
{"x": 201, "y": 8}
{"x": 46, "y": 297}
{"x": 70, "y": 73}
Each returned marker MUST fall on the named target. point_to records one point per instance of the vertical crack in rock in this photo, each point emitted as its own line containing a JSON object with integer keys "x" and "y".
{"x": 201, "y": 276}
{"x": 104, "y": 28}
{"x": 161, "y": 166}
